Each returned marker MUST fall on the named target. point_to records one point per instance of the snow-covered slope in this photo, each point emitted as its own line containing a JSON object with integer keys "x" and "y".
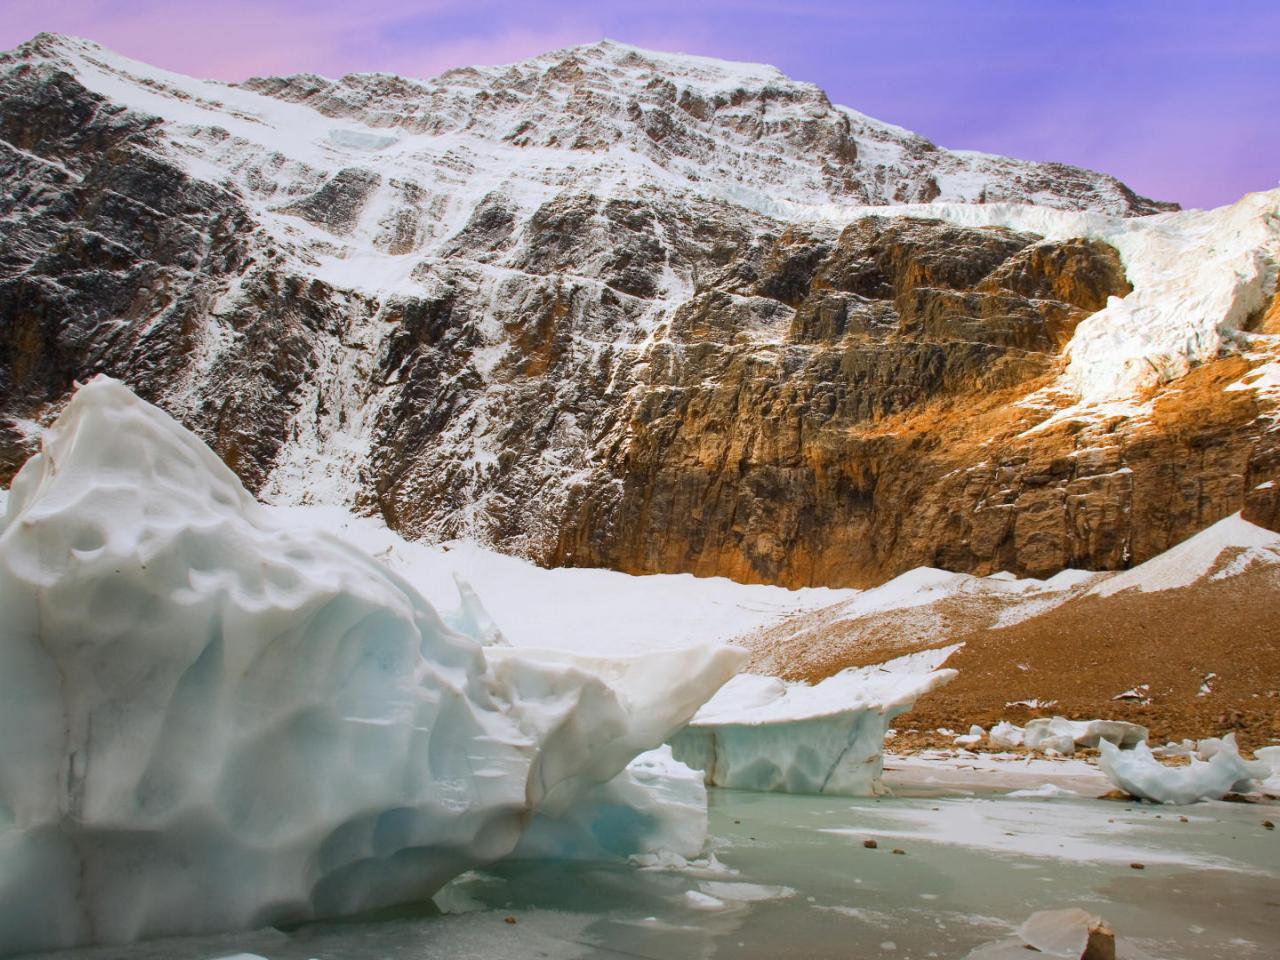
{"x": 1183, "y": 644}
{"x": 587, "y": 611}
{"x": 1227, "y": 549}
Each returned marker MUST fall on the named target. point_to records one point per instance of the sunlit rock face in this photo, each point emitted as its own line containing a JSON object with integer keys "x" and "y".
{"x": 615, "y": 308}
{"x": 211, "y": 722}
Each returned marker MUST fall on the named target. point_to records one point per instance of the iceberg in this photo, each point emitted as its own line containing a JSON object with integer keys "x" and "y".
{"x": 1140, "y": 774}
{"x": 762, "y": 733}
{"x": 211, "y": 721}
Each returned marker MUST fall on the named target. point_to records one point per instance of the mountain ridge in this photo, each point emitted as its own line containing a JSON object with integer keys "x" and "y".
{"x": 686, "y": 344}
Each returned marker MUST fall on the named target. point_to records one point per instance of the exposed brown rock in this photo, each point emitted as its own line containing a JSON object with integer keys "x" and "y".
{"x": 1269, "y": 319}
{"x": 1077, "y": 656}
{"x": 1101, "y": 944}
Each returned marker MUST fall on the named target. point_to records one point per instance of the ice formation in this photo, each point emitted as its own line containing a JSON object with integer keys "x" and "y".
{"x": 761, "y": 733}
{"x": 1061, "y": 933}
{"x": 1046, "y": 791}
{"x": 210, "y": 721}
{"x": 657, "y": 806}
{"x": 1068, "y": 934}
{"x": 1270, "y": 756}
{"x": 1140, "y": 774}
{"x": 1208, "y": 748}
{"x": 1063, "y": 736}
{"x": 1005, "y": 734}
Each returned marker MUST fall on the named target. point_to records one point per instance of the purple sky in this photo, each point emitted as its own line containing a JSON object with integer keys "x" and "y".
{"x": 1179, "y": 98}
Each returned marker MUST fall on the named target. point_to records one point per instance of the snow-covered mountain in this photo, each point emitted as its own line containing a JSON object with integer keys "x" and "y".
{"x": 660, "y": 313}
{"x": 613, "y": 119}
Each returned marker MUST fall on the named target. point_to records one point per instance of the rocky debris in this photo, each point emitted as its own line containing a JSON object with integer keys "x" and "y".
{"x": 1162, "y": 624}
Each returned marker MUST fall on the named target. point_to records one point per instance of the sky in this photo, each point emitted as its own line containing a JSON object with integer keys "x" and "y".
{"x": 1178, "y": 98}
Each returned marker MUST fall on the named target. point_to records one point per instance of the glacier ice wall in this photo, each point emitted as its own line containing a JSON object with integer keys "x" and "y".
{"x": 211, "y": 722}
{"x": 761, "y": 733}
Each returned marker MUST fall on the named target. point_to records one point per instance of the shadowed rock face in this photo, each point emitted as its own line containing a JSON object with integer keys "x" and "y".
{"x": 655, "y": 380}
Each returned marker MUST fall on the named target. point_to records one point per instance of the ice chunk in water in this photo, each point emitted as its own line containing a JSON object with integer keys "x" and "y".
{"x": 759, "y": 733}
{"x": 1070, "y": 934}
{"x": 1140, "y": 774}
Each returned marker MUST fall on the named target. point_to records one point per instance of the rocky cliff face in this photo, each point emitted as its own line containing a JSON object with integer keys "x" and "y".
{"x": 616, "y": 308}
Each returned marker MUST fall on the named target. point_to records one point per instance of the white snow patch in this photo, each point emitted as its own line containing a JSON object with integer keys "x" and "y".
{"x": 591, "y": 611}
{"x": 1197, "y": 557}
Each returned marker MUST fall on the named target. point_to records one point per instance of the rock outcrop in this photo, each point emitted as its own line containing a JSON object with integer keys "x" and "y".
{"x": 609, "y": 307}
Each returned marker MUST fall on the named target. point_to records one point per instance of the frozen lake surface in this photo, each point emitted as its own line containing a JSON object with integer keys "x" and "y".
{"x": 791, "y": 877}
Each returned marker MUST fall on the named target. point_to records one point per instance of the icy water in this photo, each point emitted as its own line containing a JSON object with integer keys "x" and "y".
{"x": 792, "y": 878}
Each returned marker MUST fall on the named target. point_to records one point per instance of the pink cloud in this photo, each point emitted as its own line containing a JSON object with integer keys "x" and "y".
{"x": 230, "y": 40}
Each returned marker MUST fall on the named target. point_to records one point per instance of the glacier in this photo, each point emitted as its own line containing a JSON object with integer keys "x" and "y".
{"x": 762, "y": 733}
{"x": 211, "y": 721}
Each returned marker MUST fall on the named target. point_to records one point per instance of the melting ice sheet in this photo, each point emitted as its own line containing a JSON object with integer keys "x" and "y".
{"x": 781, "y": 886}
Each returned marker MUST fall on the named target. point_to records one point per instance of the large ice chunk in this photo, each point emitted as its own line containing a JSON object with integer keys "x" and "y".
{"x": 1063, "y": 736}
{"x": 209, "y": 721}
{"x": 1139, "y": 773}
{"x": 761, "y": 733}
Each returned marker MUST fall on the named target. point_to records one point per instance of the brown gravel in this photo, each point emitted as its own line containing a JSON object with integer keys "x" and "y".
{"x": 1080, "y": 654}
